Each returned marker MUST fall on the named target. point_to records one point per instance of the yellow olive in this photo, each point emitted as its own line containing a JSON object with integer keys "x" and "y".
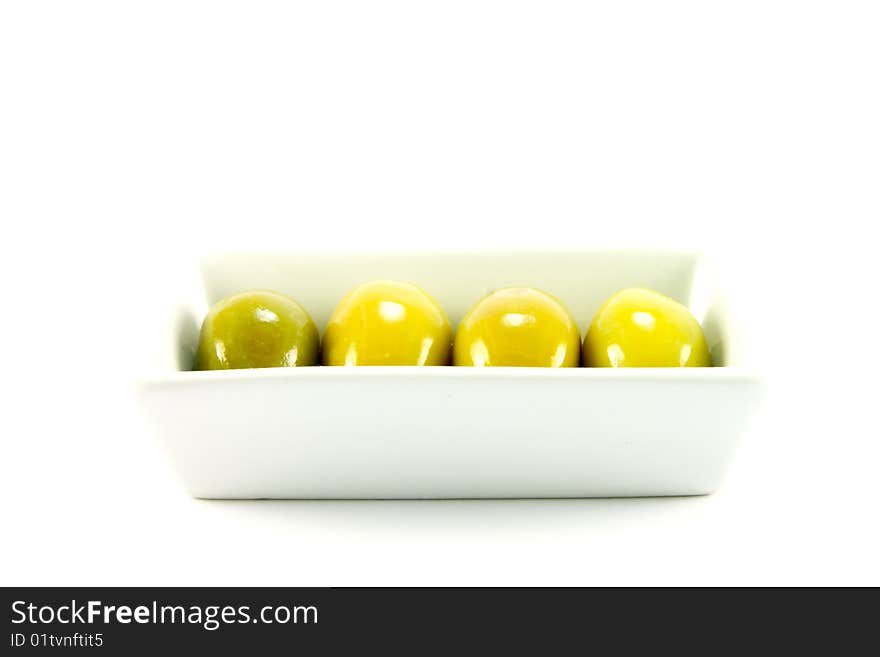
{"x": 643, "y": 328}
{"x": 257, "y": 329}
{"x": 518, "y": 327}
{"x": 387, "y": 323}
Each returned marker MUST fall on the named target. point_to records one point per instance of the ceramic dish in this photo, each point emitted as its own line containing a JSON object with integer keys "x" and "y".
{"x": 450, "y": 432}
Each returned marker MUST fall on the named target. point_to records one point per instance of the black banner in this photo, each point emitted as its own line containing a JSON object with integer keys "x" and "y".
{"x": 412, "y": 621}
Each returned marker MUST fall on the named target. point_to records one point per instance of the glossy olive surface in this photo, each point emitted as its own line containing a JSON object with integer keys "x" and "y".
{"x": 387, "y": 323}
{"x": 638, "y": 327}
{"x": 517, "y": 327}
{"x": 257, "y": 329}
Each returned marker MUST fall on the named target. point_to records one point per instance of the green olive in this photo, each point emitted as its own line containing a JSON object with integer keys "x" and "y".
{"x": 642, "y": 328}
{"x": 387, "y": 323}
{"x": 517, "y": 327}
{"x": 257, "y": 329}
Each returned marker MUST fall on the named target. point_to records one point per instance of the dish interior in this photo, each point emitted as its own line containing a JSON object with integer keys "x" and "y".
{"x": 582, "y": 280}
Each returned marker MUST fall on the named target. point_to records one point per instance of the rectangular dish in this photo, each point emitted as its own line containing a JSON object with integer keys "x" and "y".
{"x": 448, "y": 432}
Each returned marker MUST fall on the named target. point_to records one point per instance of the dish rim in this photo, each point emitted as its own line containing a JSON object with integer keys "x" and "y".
{"x": 447, "y": 372}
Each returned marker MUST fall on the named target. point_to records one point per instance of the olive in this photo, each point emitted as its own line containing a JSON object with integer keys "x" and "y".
{"x": 387, "y": 323}
{"x": 257, "y": 329}
{"x": 518, "y": 326}
{"x": 642, "y": 328}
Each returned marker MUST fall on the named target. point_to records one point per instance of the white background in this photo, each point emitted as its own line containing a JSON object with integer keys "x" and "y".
{"x": 134, "y": 134}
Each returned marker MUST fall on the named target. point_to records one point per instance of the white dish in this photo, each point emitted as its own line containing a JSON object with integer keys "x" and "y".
{"x": 449, "y": 432}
